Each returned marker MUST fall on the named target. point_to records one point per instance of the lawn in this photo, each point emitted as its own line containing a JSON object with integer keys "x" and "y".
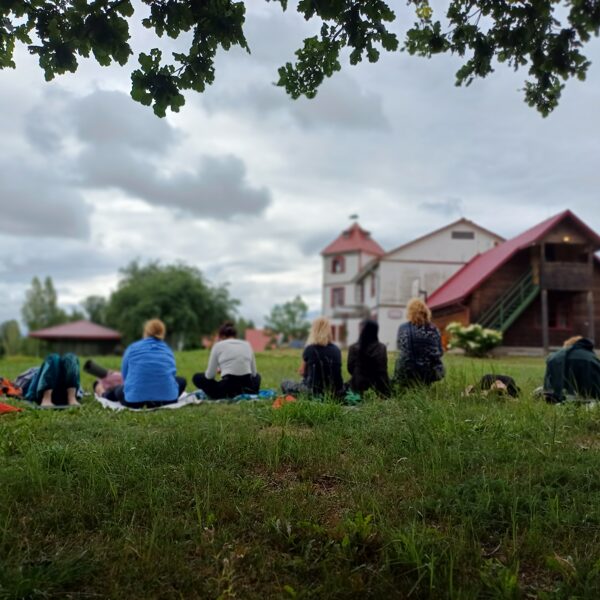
{"x": 426, "y": 495}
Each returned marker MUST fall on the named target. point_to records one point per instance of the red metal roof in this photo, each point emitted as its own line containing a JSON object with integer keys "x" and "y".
{"x": 354, "y": 239}
{"x": 475, "y": 272}
{"x": 77, "y": 330}
{"x": 259, "y": 339}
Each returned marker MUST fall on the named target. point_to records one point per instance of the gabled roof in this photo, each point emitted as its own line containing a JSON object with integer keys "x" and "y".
{"x": 77, "y": 330}
{"x": 461, "y": 221}
{"x": 354, "y": 239}
{"x": 475, "y": 272}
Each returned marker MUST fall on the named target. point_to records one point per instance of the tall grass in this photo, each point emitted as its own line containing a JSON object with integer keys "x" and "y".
{"x": 426, "y": 495}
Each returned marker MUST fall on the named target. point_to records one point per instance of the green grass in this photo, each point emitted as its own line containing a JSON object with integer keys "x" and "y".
{"x": 427, "y": 495}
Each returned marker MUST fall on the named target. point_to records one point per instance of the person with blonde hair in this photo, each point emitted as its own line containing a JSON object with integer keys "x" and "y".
{"x": 419, "y": 345}
{"x": 149, "y": 372}
{"x": 321, "y": 367}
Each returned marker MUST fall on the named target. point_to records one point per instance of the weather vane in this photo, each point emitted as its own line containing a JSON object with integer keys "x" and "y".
{"x": 354, "y": 217}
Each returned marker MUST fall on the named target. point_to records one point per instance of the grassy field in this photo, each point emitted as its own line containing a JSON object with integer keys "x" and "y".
{"x": 427, "y": 495}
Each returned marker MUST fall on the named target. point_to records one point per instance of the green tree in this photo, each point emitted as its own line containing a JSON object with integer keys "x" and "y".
{"x": 95, "y": 308}
{"x": 10, "y": 337}
{"x": 242, "y": 325}
{"x": 40, "y": 308}
{"x": 545, "y": 37}
{"x": 178, "y": 294}
{"x": 289, "y": 319}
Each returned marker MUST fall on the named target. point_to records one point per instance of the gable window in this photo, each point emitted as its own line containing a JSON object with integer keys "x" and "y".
{"x": 338, "y": 264}
{"x": 337, "y": 297}
{"x": 463, "y": 235}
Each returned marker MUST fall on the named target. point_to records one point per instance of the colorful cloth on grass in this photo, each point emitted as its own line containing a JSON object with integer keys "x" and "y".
{"x": 8, "y": 408}
{"x": 184, "y": 400}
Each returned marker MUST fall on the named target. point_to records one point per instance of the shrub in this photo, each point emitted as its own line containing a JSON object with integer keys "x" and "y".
{"x": 474, "y": 339}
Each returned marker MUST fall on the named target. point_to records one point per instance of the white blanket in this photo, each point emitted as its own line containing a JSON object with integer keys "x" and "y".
{"x": 184, "y": 400}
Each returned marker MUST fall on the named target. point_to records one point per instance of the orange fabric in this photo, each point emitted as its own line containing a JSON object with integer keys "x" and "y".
{"x": 8, "y": 388}
{"x": 281, "y": 400}
{"x": 7, "y": 408}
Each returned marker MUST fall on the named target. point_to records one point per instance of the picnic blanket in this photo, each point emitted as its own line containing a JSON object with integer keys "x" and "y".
{"x": 8, "y": 408}
{"x": 186, "y": 399}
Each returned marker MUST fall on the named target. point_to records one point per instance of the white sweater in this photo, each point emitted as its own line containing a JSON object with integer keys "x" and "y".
{"x": 233, "y": 357}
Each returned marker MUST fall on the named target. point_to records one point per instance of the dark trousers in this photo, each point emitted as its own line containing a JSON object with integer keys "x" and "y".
{"x": 117, "y": 394}
{"x": 57, "y": 373}
{"x": 229, "y": 386}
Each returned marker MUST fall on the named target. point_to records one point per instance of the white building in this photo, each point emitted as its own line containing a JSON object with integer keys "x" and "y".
{"x": 361, "y": 280}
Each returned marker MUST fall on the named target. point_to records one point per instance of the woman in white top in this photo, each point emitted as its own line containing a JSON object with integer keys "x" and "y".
{"x": 234, "y": 360}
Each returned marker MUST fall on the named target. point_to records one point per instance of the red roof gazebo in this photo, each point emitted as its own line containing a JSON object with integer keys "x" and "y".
{"x": 81, "y": 337}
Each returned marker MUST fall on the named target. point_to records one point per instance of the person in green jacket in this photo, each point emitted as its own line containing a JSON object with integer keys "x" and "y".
{"x": 574, "y": 370}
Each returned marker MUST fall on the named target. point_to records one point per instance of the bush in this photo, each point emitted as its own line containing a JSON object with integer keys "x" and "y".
{"x": 474, "y": 339}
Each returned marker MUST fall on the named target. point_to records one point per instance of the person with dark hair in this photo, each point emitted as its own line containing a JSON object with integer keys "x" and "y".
{"x": 149, "y": 372}
{"x": 234, "y": 360}
{"x": 367, "y": 361}
{"x": 572, "y": 371}
{"x": 55, "y": 383}
{"x": 419, "y": 347}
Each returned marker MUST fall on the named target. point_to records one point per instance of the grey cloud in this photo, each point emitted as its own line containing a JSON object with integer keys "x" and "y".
{"x": 340, "y": 104}
{"x": 217, "y": 188}
{"x": 36, "y": 201}
{"x": 447, "y": 208}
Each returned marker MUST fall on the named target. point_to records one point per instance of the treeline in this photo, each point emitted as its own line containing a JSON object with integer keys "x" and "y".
{"x": 178, "y": 294}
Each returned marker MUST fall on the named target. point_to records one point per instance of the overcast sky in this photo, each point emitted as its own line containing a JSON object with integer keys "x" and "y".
{"x": 249, "y": 185}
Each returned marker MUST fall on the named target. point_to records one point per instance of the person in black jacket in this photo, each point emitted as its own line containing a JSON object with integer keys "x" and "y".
{"x": 321, "y": 367}
{"x": 367, "y": 361}
{"x": 573, "y": 371}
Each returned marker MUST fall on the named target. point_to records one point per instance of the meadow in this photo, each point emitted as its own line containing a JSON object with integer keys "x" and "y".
{"x": 426, "y": 495}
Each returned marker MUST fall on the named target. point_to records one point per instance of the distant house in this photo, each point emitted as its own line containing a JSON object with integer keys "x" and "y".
{"x": 361, "y": 280}
{"x": 538, "y": 288}
{"x": 259, "y": 339}
{"x": 81, "y": 337}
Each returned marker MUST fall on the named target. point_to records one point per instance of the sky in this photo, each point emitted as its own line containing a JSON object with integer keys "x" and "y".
{"x": 249, "y": 186}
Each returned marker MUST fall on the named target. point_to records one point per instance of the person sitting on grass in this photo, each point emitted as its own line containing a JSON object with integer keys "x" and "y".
{"x": 572, "y": 371}
{"x": 367, "y": 361}
{"x": 234, "y": 360}
{"x": 55, "y": 383}
{"x": 419, "y": 347}
{"x": 321, "y": 367}
{"x": 149, "y": 372}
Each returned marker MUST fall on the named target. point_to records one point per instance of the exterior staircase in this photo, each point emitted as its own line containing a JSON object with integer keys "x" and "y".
{"x": 509, "y": 307}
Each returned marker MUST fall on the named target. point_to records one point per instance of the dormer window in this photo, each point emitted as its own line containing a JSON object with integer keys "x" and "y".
{"x": 338, "y": 264}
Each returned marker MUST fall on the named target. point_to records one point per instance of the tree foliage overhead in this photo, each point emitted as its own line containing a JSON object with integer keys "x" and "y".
{"x": 545, "y": 37}
{"x": 177, "y": 294}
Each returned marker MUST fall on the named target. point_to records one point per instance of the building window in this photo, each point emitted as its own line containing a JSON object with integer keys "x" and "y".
{"x": 333, "y": 333}
{"x": 361, "y": 292}
{"x": 373, "y": 285}
{"x": 337, "y": 297}
{"x": 463, "y": 235}
{"x": 338, "y": 264}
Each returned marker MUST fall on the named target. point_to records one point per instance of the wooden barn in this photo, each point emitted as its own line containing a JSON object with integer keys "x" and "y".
{"x": 538, "y": 288}
{"x": 81, "y": 337}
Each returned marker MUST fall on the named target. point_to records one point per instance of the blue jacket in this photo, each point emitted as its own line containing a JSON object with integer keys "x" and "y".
{"x": 148, "y": 369}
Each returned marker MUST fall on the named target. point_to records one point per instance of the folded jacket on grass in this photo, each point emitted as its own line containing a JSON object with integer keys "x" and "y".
{"x": 184, "y": 400}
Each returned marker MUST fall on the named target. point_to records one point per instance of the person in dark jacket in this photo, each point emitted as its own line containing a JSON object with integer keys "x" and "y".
{"x": 367, "y": 361}
{"x": 574, "y": 370}
{"x": 321, "y": 367}
{"x": 149, "y": 373}
{"x": 419, "y": 347}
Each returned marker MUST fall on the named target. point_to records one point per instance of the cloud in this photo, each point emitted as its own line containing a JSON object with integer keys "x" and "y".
{"x": 37, "y": 201}
{"x": 446, "y": 208}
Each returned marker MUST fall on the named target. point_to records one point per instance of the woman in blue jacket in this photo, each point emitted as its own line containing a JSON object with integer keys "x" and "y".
{"x": 149, "y": 372}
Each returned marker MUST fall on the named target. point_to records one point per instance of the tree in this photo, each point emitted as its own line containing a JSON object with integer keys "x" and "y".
{"x": 40, "y": 308}
{"x": 95, "y": 308}
{"x": 545, "y": 36}
{"x": 242, "y": 325}
{"x": 10, "y": 337}
{"x": 177, "y": 294}
{"x": 289, "y": 319}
